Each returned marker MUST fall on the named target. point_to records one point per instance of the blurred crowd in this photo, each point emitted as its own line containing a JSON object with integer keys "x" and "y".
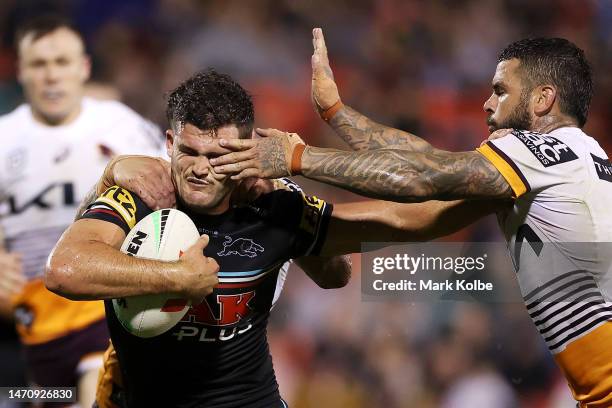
{"x": 423, "y": 66}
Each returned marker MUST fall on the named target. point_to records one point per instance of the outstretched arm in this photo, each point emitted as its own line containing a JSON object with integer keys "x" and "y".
{"x": 403, "y": 176}
{"x": 381, "y": 221}
{"x": 357, "y": 130}
{"x": 388, "y": 174}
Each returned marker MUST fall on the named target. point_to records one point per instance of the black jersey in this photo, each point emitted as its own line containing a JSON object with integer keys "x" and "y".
{"x": 218, "y": 355}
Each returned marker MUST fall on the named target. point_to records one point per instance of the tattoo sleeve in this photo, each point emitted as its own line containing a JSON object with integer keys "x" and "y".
{"x": 405, "y": 176}
{"x": 362, "y": 133}
{"x": 89, "y": 198}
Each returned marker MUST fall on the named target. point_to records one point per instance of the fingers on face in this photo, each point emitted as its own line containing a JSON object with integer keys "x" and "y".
{"x": 237, "y": 168}
{"x": 227, "y": 145}
{"x": 249, "y": 172}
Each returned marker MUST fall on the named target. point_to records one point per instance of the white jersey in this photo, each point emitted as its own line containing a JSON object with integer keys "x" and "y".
{"x": 45, "y": 171}
{"x": 559, "y": 235}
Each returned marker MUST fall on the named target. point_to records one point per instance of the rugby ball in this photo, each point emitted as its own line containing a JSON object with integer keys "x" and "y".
{"x": 162, "y": 235}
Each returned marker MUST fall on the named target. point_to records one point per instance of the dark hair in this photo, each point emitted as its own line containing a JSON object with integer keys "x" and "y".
{"x": 210, "y": 100}
{"x": 42, "y": 25}
{"x": 558, "y": 62}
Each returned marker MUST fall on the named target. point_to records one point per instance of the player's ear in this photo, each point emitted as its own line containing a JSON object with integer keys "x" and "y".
{"x": 544, "y": 97}
{"x": 169, "y": 141}
{"x": 86, "y": 68}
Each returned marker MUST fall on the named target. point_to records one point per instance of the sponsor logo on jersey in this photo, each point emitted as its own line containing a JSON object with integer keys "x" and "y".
{"x": 62, "y": 155}
{"x": 224, "y": 320}
{"x": 45, "y": 199}
{"x": 548, "y": 150}
{"x": 241, "y": 247}
{"x": 603, "y": 167}
{"x": 228, "y": 310}
{"x": 210, "y": 334}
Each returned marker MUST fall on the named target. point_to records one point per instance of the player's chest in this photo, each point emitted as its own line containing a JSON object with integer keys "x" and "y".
{"x": 44, "y": 176}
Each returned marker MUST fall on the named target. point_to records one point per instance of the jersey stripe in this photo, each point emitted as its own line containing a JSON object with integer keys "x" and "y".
{"x": 566, "y": 308}
{"x": 127, "y": 217}
{"x": 507, "y": 168}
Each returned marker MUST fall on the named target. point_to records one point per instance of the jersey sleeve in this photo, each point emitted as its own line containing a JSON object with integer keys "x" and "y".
{"x": 119, "y": 206}
{"x": 529, "y": 161}
{"x": 304, "y": 217}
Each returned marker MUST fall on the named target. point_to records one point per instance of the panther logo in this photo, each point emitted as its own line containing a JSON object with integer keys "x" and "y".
{"x": 240, "y": 247}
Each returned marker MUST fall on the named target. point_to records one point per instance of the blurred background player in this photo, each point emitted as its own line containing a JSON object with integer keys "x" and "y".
{"x": 52, "y": 151}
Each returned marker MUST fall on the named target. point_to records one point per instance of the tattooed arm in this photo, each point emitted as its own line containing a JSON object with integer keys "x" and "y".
{"x": 388, "y": 174}
{"x": 404, "y": 176}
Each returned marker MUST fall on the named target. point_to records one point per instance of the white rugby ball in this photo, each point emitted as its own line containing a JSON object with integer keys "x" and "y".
{"x": 162, "y": 235}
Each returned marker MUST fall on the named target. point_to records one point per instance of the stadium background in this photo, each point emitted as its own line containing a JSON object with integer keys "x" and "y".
{"x": 420, "y": 66}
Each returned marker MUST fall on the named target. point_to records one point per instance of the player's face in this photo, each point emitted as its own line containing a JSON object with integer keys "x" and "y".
{"x": 198, "y": 186}
{"x": 53, "y": 70}
{"x": 508, "y": 105}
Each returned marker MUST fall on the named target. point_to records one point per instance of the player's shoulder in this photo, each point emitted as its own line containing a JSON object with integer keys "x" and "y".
{"x": 110, "y": 108}
{"x": 13, "y": 126}
{"x": 560, "y": 146}
{"x": 123, "y": 121}
{"x": 16, "y": 117}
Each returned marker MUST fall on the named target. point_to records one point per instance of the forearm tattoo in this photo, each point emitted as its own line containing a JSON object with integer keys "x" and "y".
{"x": 361, "y": 133}
{"x": 405, "y": 176}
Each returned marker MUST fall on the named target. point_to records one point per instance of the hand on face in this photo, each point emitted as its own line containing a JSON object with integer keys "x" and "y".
{"x": 266, "y": 157}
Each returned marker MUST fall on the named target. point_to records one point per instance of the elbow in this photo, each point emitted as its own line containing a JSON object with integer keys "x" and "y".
{"x": 334, "y": 284}
{"x": 59, "y": 278}
{"x": 338, "y": 273}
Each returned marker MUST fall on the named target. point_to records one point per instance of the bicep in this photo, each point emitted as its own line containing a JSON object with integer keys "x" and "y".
{"x": 352, "y": 224}
{"x": 468, "y": 175}
{"x": 91, "y": 230}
